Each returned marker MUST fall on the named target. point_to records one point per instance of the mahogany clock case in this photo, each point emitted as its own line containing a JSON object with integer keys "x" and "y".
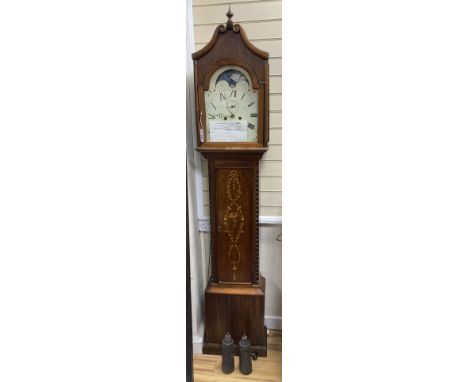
{"x": 235, "y": 294}
{"x": 230, "y": 46}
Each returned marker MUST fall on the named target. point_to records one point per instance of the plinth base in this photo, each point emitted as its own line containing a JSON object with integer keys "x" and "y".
{"x": 238, "y": 310}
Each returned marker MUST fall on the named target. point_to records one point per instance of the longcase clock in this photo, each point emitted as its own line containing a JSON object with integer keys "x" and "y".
{"x": 231, "y": 85}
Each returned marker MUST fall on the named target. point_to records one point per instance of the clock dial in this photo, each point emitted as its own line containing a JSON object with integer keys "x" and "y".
{"x": 231, "y": 106}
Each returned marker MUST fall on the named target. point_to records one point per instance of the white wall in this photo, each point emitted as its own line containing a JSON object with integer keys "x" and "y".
{"x": 197, "y": 258}
{"x": 271, "y": 269}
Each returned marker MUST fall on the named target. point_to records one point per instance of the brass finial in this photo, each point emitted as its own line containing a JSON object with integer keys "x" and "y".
{"x": 229, "y": 15}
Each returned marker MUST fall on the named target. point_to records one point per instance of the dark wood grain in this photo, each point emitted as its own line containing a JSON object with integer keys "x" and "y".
{"x": 235, "y": 294}
{"x": 232, "y": 47}
{"x": 239, "y": 310}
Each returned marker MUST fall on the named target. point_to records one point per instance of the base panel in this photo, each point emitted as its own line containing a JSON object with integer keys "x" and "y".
{"x": 238, "y": 310}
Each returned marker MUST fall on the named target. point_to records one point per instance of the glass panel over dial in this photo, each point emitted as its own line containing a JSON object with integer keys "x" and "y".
{"x": 231, "y": 106}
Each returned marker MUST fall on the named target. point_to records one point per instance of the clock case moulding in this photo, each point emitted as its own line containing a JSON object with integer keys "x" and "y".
{"x": 230, "y": 46}
{"x": 234, "y": 299}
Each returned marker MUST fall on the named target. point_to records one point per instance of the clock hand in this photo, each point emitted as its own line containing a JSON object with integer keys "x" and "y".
{"x": 229, "y": 109}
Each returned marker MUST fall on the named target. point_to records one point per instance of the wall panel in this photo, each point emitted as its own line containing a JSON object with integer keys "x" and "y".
{"x": 244, "y": 12}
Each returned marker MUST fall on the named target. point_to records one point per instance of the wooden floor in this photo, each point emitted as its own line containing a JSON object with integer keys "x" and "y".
{"x": 207, "y": 368}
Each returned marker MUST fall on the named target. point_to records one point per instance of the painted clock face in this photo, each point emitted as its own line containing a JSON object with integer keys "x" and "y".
{"x": 231, "y": 106}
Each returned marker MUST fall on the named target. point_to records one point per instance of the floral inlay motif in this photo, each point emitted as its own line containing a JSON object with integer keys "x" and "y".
{"x": 234, "y": 220}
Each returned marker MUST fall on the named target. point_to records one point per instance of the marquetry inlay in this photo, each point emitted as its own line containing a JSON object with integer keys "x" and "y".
{"x": 234, "y": 220}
